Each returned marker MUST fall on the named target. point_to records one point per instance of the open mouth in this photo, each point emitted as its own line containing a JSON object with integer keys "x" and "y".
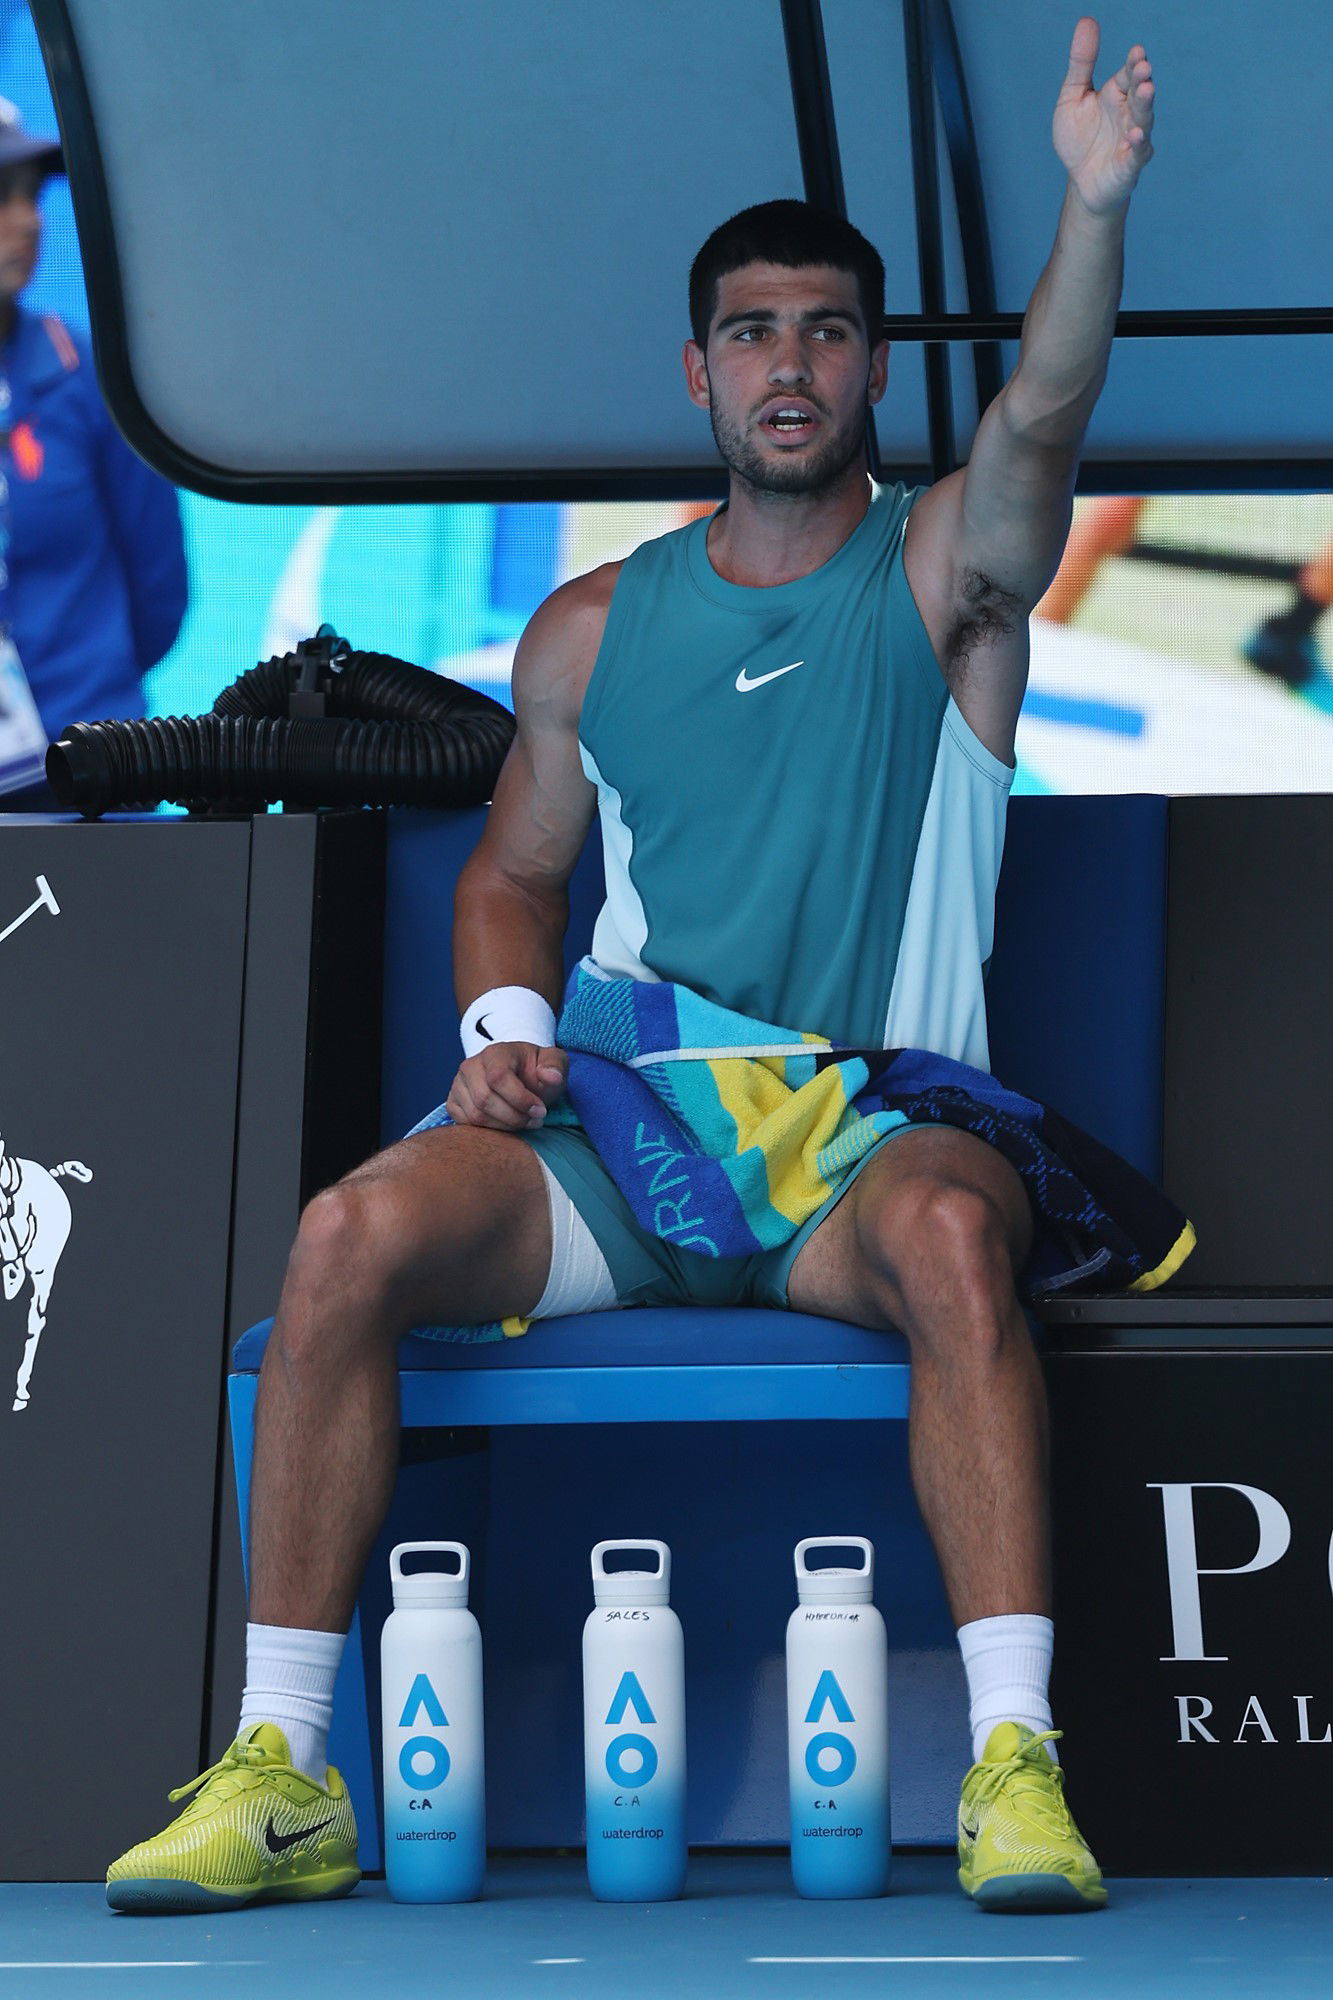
{"x": 788, "y": 421}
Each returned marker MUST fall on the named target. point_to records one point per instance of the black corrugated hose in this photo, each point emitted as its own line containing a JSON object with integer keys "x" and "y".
{"x": 322, "y": 726}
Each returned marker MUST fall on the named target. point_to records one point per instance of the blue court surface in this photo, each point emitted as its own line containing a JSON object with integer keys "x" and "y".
{"x": 738, "y": 1932}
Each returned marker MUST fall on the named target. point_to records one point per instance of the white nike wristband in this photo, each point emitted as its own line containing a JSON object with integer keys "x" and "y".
{"x": 508, "y": 1014}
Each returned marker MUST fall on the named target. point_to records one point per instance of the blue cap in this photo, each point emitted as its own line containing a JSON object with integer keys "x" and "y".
{"x": 16, "y": 145}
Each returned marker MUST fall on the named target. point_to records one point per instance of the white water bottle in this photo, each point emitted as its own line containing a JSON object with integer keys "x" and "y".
{"x": 634, "y": 1731}
{"x": 838, "y": 1728}
{"x": 434, "y": 1753}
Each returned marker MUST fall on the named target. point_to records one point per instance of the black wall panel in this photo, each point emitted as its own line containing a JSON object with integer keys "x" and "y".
{"x": 176, "y": 998}
{"x": 309, "y": 1086}
{"x": 1193, "y": 1607}
{"x": 121, "y": 1032}
{"x": 1248, "y": 1116}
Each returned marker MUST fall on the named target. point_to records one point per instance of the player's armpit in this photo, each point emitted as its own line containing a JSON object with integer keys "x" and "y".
{"x": 982, "y": 546}
{"x": 987, "y": 618}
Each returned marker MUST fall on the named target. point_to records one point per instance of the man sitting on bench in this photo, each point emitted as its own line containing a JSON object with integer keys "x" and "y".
{"x": 797, "y": 722}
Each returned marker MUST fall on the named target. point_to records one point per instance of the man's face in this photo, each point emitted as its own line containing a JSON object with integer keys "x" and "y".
{"x": 20, "y": 225}
{"x": 788, "y": 376}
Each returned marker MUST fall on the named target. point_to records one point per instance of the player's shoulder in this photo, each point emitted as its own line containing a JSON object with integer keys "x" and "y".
{"x": 583, "y": 601}
{"x": 558, "y": 650}
{"x": 574, "y": 615}
{"x": 931, "y": 538}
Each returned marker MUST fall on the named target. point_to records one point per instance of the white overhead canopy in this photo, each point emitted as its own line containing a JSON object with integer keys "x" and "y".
{"x": 433, "y": 249}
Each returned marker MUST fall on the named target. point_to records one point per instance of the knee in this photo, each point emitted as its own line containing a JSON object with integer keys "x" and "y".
{"x": 944, "y": 1253}
{"x": 347, "y": 1246}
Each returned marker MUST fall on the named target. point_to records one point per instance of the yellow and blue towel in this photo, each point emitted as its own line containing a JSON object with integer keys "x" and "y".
{"x": 725, "y": 1134}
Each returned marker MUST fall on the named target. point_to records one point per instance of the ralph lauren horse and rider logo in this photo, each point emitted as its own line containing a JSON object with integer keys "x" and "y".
{"x": 35, "y": 1212}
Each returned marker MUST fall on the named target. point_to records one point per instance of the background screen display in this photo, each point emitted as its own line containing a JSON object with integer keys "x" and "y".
{"x": 1187, "y": 645}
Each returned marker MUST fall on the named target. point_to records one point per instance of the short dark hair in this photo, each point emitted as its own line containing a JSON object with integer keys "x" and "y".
{"x": 794, "y": 234}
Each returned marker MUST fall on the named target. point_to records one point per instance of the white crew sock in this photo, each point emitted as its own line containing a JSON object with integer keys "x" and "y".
{"x": 1008, "y": 1663}
{"x": 289, "y": 1676}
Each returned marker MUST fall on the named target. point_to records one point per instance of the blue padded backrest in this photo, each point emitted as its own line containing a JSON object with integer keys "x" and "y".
{"x": 1076, "y": 986}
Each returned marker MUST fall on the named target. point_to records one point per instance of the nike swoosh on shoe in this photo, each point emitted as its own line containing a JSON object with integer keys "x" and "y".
{"x": 278, "y": 1843}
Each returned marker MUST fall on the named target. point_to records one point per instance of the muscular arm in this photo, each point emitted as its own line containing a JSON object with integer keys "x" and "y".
{"x": 511, "y": 904}
{"x": 984, "y": 543}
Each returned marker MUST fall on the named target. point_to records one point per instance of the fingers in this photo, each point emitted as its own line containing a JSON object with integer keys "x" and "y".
{"x": 1083, "y": 55}
{"x": 492, "y": 1088}
{"x": 1103, "y": 137}
{"x": 1129, "y": 96}
{"x": 1141, "y": 92}
{"x": 1133, "y": 79}
{"x": 544, "y": 1071}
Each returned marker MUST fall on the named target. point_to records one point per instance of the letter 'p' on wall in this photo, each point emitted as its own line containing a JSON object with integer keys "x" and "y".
{"x": 1182, "y": 1558}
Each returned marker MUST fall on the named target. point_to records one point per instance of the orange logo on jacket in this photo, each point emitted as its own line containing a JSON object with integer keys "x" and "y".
{"x": 29, "y": 454}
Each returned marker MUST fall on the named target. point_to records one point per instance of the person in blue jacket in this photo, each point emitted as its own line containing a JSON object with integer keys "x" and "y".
{"x": 92, "y": 557}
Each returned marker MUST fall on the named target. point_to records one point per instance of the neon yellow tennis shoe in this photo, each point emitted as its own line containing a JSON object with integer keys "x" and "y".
{"x": 1018, "y": 1847}
{"x": 256, "y": 1831}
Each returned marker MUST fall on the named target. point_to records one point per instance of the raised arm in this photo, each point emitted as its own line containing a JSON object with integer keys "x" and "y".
{"x": 983, "y": 544}
{"x": 511, "y": 904}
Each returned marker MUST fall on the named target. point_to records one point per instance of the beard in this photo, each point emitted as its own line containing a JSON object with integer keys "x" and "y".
{"x": 801, "y": 476}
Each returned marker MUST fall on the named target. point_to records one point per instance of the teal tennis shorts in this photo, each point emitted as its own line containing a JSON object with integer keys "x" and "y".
{"x": 646, "y": 1270}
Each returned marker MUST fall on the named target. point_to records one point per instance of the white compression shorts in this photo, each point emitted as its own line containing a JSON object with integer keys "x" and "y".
{"x": 579, "y": 1280}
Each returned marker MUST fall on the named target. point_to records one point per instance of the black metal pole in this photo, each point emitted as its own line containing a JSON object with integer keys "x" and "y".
{"x": 929, "y": 242}
{"x": 817, "y": 135}
{"x": 1204, "y": 323}
{"x": 968, "y": 193}
{"x": 812, "y": 102}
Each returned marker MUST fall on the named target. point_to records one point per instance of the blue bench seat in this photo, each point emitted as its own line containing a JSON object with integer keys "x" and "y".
{"x": 653, "y": 1364}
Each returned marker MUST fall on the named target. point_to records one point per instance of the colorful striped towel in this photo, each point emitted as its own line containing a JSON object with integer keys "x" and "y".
{"x": 724, "y": 1135}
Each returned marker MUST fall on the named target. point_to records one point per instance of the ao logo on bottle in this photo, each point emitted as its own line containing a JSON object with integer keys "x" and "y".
{"x": 422, "y": 1698}
{"x": 630, "y": 1744}
{"x": 830, "y": 1757}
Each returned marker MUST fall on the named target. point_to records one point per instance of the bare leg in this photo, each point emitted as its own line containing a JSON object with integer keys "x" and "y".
{"x": 927, "y": 1240}
{"x": 1102, "y": 527}
{"x": 450, "y": 1226}
{"x": 1316, "y": 579}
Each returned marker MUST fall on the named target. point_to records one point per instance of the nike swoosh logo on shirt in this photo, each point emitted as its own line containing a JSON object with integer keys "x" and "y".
{"x": 278, "y": 1843}
{"x": 745, "y": 683}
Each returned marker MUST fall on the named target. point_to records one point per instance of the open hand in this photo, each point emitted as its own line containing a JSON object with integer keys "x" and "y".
{"x": 1104, "y": 137}
{"x": 507, "y": 1086}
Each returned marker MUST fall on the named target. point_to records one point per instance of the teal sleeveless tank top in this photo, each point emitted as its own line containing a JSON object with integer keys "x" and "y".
{"x": 797, "y": 821}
